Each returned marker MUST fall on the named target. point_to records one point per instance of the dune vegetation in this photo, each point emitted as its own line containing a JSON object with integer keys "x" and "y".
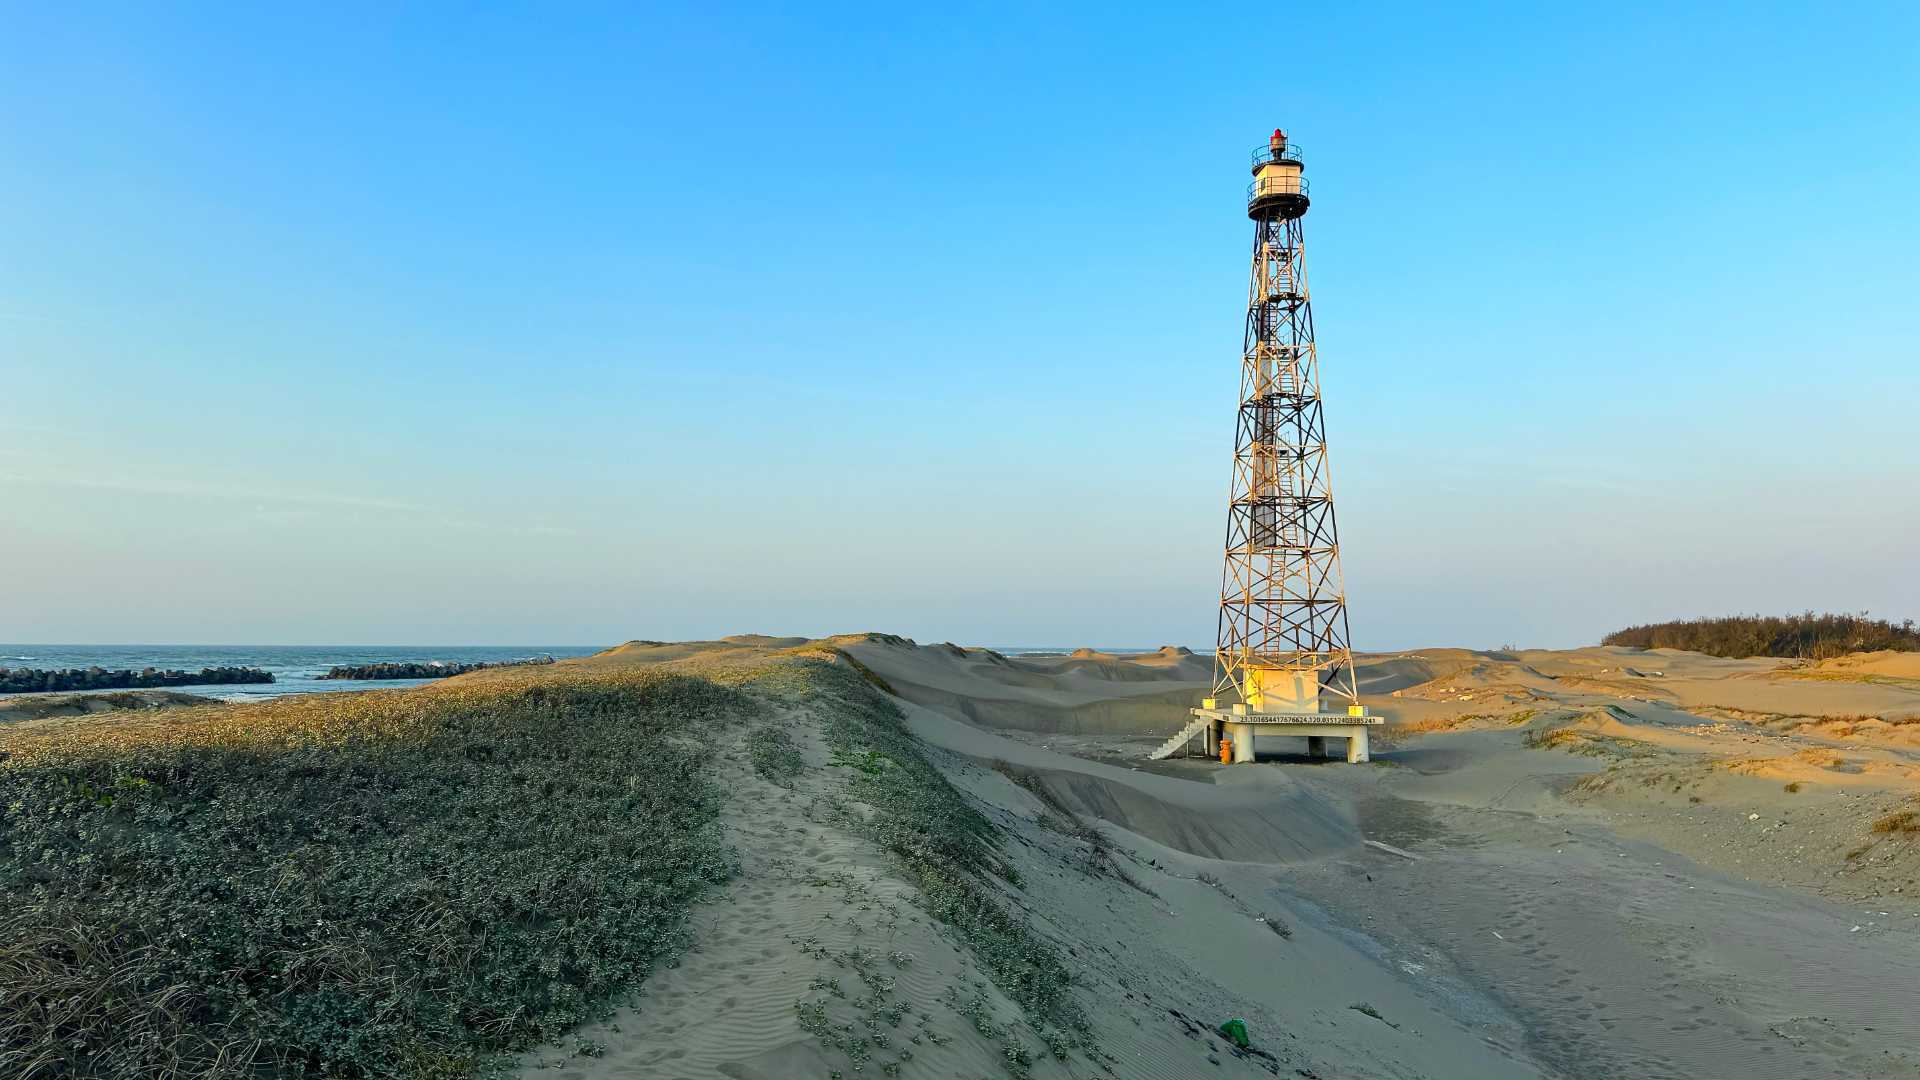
{"x": 948, "y": 849}
{"x": 386, "y": 884}
{"x": 418, "y": 883}
{"x": 1805, "y": 636}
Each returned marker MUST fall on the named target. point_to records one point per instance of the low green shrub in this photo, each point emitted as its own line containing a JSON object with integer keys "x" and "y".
{"x": 365, "y": 885}
{"x": 775, "y": 756}
{"x": 947, "y": 846}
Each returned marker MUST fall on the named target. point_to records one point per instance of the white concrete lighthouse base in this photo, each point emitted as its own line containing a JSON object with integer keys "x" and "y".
{"x": 1242, "y": 727}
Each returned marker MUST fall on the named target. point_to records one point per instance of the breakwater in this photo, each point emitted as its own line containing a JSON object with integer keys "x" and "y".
{"x": 431, "y": 669}
{"x": 33, "y": 680}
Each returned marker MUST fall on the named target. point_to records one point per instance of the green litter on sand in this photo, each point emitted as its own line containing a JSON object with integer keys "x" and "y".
{"x": 1236, "y": 1029}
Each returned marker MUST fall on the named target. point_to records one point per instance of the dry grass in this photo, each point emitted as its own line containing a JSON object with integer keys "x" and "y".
{"x": 1470, "y": 720}
{"x": 1866, "y": 727}
{"x": 1900, "y": 821}
{"x": 1867, "y": 678}
{"x": 1574, "y": 739}
{"x": 1432, "y": 723}
{"x": 1554, "y": 739}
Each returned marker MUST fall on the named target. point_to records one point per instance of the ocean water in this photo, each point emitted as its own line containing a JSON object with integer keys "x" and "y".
{"x": 294, "y": 667}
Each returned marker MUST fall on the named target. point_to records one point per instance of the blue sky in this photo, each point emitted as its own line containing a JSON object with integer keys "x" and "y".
{"x": 370, "y": 324}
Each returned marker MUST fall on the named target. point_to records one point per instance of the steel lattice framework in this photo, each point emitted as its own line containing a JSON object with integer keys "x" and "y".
{"x": 1283, "y": 609}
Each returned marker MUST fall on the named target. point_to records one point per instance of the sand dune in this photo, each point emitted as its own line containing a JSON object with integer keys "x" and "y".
{"x": 1577, "y": 864}
{"x": 1898, "y": 665}
{"x": 1085, "y": 692}
{"x": 1264, "y": 818}
{"x": 29, "y": 708}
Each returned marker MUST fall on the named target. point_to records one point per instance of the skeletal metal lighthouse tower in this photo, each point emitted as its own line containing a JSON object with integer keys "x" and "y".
{"x": 1283, "y": 606}
{"x": 1283, "y": 643}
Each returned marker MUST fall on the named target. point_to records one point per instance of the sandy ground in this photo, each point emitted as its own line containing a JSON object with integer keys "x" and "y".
{"x": 1571, "y": 864}
{"x": 29, "y": 708}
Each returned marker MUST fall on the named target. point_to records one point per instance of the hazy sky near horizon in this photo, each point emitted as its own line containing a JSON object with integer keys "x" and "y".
{"x": 357, "y": 324}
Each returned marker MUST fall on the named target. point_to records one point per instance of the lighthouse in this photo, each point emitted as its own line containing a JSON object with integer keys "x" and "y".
{"x": 1284, "y": 662}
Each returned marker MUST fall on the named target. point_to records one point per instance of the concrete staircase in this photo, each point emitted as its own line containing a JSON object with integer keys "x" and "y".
{"x": 1187, "y": 734}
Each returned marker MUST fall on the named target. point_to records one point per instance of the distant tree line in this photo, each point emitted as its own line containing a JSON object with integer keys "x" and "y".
{"x": 30, "y": 680}
{"x": 1806, "y": 636}
{"x": 432, "y": 669}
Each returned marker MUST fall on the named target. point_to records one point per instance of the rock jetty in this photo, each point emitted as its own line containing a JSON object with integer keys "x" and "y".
{"x": 33, "y": 680}
{"x": 430, "y": 669}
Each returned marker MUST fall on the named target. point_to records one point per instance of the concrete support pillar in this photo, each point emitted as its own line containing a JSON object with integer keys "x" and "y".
{"x": 1357, "y": 747}
{"x": 1242, "y": 742}
{"x": 1316, "y": 746}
